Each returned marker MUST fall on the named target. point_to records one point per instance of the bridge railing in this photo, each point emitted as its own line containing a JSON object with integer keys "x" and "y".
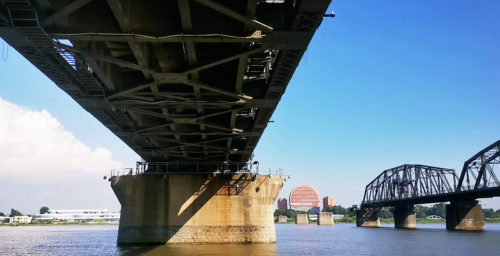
{"x": 180, "y": 168}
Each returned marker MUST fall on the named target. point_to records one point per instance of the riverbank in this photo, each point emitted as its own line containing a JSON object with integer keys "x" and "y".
{"x": 59, "y": 224}
{"x": 352, "y": 220}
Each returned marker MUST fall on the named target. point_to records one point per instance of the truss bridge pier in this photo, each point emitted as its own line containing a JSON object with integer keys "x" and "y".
{"x": 404, "y": 186}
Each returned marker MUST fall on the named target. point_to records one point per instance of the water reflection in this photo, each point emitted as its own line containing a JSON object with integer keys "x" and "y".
{"x": 341, "y": 239}
{"x": 254, "y": 249}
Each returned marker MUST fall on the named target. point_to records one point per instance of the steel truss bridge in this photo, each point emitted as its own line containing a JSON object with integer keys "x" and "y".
{"x": 176, "y": 80}
{"x": 420, "y": 184}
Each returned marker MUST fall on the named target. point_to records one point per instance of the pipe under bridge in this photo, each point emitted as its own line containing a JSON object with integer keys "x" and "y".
{"x": 404, "y": 186}
{"x": 179, "y": 81}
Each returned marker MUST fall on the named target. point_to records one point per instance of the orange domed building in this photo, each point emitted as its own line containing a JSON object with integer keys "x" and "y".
{"x": 304, "y": 198}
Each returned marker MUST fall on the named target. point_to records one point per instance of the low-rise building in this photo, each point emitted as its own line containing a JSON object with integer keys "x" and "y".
{"x": 433, "y": 217}
{"x": 20, "y": 219}
{"x": 313, "y": 216}
{"x": 338, "y": 216}
{"x": 96, "y": 215}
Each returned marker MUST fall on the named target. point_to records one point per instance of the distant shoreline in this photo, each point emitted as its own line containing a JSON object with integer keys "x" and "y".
{"x": 58, "y": 224}
{"x": 350, "y": 220}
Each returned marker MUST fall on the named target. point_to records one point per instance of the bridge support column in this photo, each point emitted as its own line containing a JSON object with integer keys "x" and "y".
{"x": 196, "y": 209}
{"x": 464, "y": 216}
{"x": 367, "y": 218}
{"x": 404, "y": 216}
{"x": 326, "y": 218}
{"x": 301, "y": 219}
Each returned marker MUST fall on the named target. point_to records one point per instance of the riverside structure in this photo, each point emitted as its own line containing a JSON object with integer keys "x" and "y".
{"x": 80, "y": 216}
{"x": 404, "y": 186}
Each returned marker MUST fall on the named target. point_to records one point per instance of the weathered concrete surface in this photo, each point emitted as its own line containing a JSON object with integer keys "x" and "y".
{"x": 196, "y": 209}
{"x": 282, "y": 219}
{"x": 325, "y": 218}
{"x": 464, "y": 216}
{"x": 301, "y": 219}
{"x": 368, "y": 221}
{"x": 404, "y": 217}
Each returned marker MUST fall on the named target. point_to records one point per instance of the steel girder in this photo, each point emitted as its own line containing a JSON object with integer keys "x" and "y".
{"x": 418, "y": 184}
{"x": 481, "y": 170}
{"x": 410, "y": 181}
{"x": 176, "y": 80}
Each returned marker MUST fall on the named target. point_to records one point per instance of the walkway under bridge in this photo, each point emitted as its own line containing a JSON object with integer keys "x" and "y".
{"x": 404, "y": 186}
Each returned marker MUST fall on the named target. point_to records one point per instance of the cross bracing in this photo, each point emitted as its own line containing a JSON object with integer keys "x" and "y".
{"x": 177, "y": 80}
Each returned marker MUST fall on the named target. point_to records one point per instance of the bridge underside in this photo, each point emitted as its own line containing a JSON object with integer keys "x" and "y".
{"x": 185, "y": 80}
{"x": 190, "y": 82}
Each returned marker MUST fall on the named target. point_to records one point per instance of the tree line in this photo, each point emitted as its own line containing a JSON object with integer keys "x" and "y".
{"x": 421, "y": 211}
{"x": 14, "y": 212}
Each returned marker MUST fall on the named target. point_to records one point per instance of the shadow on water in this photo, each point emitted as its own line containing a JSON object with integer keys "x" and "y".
{"x": 253, "y": 249}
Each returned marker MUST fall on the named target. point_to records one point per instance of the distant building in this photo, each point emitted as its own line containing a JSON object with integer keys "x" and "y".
{"x": 20, "y": 219}
{"x": 304, "y": 198}
{"x": 338, "y": 216}
{"x": 99, "y": 215}
{"x": 328, "y": 202}
{"x": 282, "y": 204}
{"x": 312, "y": 216}
{"x": 433, "y": 217}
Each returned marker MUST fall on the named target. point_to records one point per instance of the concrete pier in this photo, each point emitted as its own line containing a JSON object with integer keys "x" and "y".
{"x": 404, "y": 217}
{"x": 325, "y": 219}
{"x": 367, "y": 219}
{"x": 196, "y": 209}
{"x": 301, "y": 219}
{"x": 464, "y": 216}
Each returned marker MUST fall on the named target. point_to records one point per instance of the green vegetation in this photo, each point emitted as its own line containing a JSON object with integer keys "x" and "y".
{"x": 346, "y": 220}
{"x": 340, "y": 210}
{"x": 424, "y": 211}
{"x": 385, "y": 215}
{"x": 288, "y": 213}
{"x": 491, "y": 214}
{"x": 14, "y": 212}
{"x": 2, "y": 214}
{"x": 44, "y": 209}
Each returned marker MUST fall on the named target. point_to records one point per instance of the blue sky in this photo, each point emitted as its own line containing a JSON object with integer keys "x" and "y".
{"x": 383, "y": 84}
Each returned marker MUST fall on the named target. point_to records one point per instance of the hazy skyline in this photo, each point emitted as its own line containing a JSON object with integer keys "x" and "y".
{"x": 383, "y": 84}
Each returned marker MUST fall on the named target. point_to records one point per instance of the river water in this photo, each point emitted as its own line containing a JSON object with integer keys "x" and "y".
{"x": 341, "y": 239}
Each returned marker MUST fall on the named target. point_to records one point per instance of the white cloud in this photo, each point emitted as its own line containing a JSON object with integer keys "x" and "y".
{"x": 35, "y": 148}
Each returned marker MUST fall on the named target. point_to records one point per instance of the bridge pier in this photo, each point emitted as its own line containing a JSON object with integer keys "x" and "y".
{"x": 464, "y": 216}
{"x": 404, "y": 216}
{"x": 196, "y": 209}
{"x": 367, "y": 218}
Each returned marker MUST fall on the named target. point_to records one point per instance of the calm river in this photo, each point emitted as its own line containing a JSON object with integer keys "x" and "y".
{"x": 341, "y": 239}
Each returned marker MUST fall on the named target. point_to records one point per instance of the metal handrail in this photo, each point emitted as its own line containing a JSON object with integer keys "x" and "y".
{"x": 173, "y": 168}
